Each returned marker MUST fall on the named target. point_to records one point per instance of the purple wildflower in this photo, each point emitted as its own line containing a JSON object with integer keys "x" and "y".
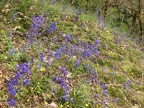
{"x": 12, "y": 102}
{"x": 68, "y": 37}
{"x": 11, "y": 89}
{"x": 23, "y": 71}
{"x": 55, "y": 40}
{"x": 69, "y": 52}
{"x": 95, "y": 50}
{"x": 41, "y": 56}
{"x": 18, "y": 75}
{"x": 92, "y": 79}
{"x": 48, "y": 62}
{"x": 36, "y": 26}
{"x": 54, "y": 91}
{"x": 95, "y": 103}
{"x": 63, "y": 83}
{"x": 52, "y": 27}
{"x": 129, "y": 82}
{"x": 23, "y": 48}
{"x": 71, "y": 100}
{"x": 15, "y": 16}
{"x": 96, "y": 10}
{"x": 96, "y": 95}
{"x": 95, "y": 74}
{"x": 53, "y": 2}
{"x": 86, "y": 67}
{"x": 87, "y": 53}
{"x": 24, "y": 68}
{"x": 26, "y": 81}
{"x": 14, "y": 81}
{"x": 77, "y": 17}
{"x": 77, "y": 63}
{"x": 63, "y": 70}
{"x": 103, "y": 86}
{"x": 66, "y": 97}
{"x": 58, "y": 53}
{"x": 11, "y": 52}
{"x": 105, "y": 107}
{"x": 28, "y": 42}
{"x": 55, "y": 79}
{"x": 97, "y": 41}
{"x": 122, "y": 35}
{"x": 104, "y": 102}
{"x": 116, "y": 99}
{"x": 124, "y": 85}
{"x": 105, "y": 92}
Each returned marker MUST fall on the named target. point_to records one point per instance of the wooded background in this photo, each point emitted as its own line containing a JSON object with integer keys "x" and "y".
{"x": 129, "y": 13}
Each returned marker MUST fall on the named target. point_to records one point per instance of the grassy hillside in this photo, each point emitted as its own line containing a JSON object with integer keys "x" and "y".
{"x": 54, "y": 56}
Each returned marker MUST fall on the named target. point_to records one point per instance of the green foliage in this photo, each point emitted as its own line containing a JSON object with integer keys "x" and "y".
{"x": 80, "y": 96}
{"x": 116, "y": 63}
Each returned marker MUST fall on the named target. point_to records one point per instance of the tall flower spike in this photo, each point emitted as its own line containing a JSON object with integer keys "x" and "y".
{"x": 58, "y": 53}
{"x": 11, "y": 89}
{"x": 41, "y": 56}
{"x": 15, "y": 16}
{"x": 68, "y": 37}
{"x": 52, "y": 27}
{"x": 55, "y": 78}
{"x": 63, "y": 70}
{"x": 36, "y": 26}
{"x": 77, "y": 63}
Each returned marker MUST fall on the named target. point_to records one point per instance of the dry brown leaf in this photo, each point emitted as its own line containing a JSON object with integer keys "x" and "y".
{"x": 7, "y": 6}
{"x": 53, "y": 105}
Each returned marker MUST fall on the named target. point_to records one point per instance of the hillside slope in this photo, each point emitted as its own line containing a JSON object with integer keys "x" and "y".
{"x": 55, "y": 55}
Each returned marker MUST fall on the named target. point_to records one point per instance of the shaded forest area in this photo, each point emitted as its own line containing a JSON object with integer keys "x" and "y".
{"x": 126, "y": 12}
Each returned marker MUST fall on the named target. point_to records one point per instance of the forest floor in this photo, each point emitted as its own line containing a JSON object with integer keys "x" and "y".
{"x": 52, "y": 57}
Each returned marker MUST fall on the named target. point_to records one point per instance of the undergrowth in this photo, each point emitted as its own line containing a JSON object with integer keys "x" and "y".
{"x": 53, "y": 55}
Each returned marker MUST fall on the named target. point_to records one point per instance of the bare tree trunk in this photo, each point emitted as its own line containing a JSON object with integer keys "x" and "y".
{"x": 140, "y": 18}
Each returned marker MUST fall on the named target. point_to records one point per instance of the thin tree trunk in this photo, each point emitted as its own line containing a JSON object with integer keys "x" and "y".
{"x": 140, "y": 18}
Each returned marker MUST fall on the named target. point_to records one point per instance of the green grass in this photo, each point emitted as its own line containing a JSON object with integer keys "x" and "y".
{"x": 116, "y": 64}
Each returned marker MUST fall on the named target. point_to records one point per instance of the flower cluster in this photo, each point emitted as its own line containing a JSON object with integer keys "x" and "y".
{"x": 58, "y": 53}
{"x": 68, "y": 38}
{"x": 36, "y": 25}
{"x": 41, "y": 56}
{"x": 94, "y": 77}
{"x": 90, "y": 50}
{"x": 83, "y": 50}
{"x": 77, "y": 63}
{"x": 22, "y": 74}
{"x": 52, "y": 27}
{"x": 63, "y": 81}
{"x": 127, "y": 85}
{"x": 105, "y": 92}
